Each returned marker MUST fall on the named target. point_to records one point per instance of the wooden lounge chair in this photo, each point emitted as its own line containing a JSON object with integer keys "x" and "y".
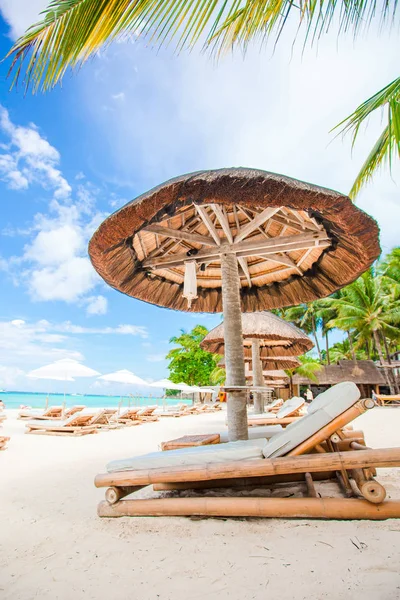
{"x": 274, "y": 406}
{"x": 52, "y": 412}
{"x": 3, "y": 442}
{"x": 315, "y": 447}
{"x": 127, "y": 417}
{"x": 387, "y": 400}
{"x": 289, "y": 412}
{"x": 79, "y": 424}
{"x": 147, "y": 414}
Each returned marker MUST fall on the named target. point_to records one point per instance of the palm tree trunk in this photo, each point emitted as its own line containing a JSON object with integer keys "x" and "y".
{"x": 353, "y": 354}
{"x": 258, "y": 378}
{"x": 328, "y": 360}
{"x": 389, "y": 361}
{"x": 234, "y": 354}
{"x": 315, "y": 337}
{"x": 381, "y": 360}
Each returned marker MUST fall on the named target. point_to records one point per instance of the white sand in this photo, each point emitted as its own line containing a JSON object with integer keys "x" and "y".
{"x": 53, "y": 546}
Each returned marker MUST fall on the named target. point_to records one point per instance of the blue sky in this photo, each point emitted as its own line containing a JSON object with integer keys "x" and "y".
{"x": 128, "y": 120}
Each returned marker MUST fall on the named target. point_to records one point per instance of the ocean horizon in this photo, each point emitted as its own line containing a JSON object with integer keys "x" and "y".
{"x": 38, "y": 400}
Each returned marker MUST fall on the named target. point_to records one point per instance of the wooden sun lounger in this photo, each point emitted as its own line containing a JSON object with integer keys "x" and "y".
{"x": 52, "y": 412}
{"x": 330, "y": 452}
{"x": 387, "y": 400}
{"x": 3, "y": 442}
{"x": 127, "y": 417}
{"x": 146, "y": 414}
{"x": 267, "y": 419}
{"x": 78, "y": 424}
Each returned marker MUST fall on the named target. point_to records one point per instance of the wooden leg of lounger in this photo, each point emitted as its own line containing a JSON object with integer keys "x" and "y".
{"x": 312, "y": 492}
{"x": 114, "y": 494}
{"x": 303, "y": 508}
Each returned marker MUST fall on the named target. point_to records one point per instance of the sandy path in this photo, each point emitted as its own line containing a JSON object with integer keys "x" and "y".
{"x": 53, "y": 546}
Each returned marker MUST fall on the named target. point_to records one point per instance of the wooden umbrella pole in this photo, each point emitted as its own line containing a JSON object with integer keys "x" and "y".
{"x": 258, "y": 379}
{"x": 234, "y": 353}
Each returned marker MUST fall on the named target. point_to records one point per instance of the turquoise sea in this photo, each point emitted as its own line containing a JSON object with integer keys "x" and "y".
{"x": 16, "y": 399}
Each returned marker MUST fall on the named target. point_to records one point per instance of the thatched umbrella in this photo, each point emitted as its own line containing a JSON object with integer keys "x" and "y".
{"x": 264, "y": 335}
{"x": 234, "y": 240}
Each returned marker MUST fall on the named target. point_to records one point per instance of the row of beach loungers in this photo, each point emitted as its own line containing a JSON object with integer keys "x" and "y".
{"x": 77, "y": 420}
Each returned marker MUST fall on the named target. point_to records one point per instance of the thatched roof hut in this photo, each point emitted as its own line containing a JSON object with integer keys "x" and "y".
{"x": 361, "y": 372}
{"x": 294, "y": 241}
{"x": 276, "y": 336}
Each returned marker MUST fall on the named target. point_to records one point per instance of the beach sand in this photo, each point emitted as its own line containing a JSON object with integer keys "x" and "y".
{"x": 53, "y": 546}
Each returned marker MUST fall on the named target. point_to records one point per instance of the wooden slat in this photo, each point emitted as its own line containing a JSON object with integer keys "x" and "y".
{"x": 307, "y": 463}
{"x": 180, "y": 235}
{"x": 223, "y": 221}
{"x": 256, "y": 222}
{"x": 208, "y": 223}
{"x": 243, "y": 263}
{"x": 254, "y": 246}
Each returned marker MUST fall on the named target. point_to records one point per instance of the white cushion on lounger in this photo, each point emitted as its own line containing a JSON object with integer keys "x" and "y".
{"x": 233, "y": 451}
{"x": 299, "y": 431}
{"x": 346, "y": 388}
{"x": 288, "y": 407}
{"x": 255, "y": 433}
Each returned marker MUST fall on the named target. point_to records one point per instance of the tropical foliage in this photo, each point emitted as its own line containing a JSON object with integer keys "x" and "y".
{"x": 71, "y": 31}
{"x": 368, "y": 311}
{"x": 188, "y": 363}
{"x": 309, "y": 368}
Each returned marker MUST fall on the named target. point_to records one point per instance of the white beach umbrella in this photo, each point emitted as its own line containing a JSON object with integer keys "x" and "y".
{"x": 169, "y": 385}
{"x": 125, "y": 376}
{"x": 65, "y": 369}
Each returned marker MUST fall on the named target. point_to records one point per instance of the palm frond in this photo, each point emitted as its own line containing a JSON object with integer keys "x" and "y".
{"x": 388, "y": 144}
{"x": 73, "y": 30}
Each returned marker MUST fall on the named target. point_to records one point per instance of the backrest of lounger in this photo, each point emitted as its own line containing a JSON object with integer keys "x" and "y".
{"x": 80, "y": 418}
{"x": 290, "y": 406}
{"x": 303, "y": 428}
{"x": 343, "y": 389}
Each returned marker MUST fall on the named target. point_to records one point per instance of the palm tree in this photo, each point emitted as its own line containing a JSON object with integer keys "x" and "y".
{"x": 218, "y": 376}
{"x": 365, "y": 308}
{"x": 389, "y": 269}
{"x": 306, "y": 317}
{"x": 344, "y": 351}
{"x": 309, "y": 368}
{"x": 71, "y": 31}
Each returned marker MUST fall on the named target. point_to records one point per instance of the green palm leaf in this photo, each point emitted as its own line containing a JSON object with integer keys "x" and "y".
{"x": 73, "y": 30}
{"x": 387, "y": 146}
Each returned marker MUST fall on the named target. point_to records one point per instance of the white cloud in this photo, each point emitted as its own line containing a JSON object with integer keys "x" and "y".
{"x": 120, "y": 96}
{"x": 96, "y": 305}
{"x": 269, "y": 112}
{"x": 30, "y": 158}
{"x": 27, "y": 345}
{"x": 21, "y": 14}
{"x": 30, "y": 344}
{"x": 67, "y": 281}
{"x": 57, "y": 245}
{"x": 9, "y": 376}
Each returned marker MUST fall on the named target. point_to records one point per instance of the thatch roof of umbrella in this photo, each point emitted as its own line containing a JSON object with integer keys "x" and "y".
{"x": 294, "y": 241}
{"x": 277, "y": 336}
